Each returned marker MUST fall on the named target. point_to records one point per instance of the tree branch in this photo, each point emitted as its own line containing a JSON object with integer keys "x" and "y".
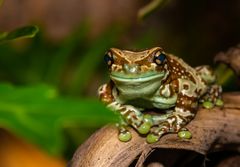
{"x": 211, "y": 130}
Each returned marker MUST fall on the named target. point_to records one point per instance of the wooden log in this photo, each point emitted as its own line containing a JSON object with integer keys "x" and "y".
{"x": 211, "y": 129}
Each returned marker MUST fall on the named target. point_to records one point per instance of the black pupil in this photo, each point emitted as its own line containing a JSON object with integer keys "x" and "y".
{"x": 108, "y": 59}
{"x": 161, "y": 58}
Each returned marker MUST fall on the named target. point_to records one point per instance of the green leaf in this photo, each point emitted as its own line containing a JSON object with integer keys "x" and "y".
{"x": 39, "y": 115}
{"x": 23, "y": 32}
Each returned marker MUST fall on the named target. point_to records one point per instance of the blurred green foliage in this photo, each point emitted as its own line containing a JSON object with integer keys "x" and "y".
{"x": 40, "y": 115}
{"x": 48, "y": 104}
{"x": 35, "y": 111}
{"x": 68, "y": 65}
{"x": 23, "y": 32}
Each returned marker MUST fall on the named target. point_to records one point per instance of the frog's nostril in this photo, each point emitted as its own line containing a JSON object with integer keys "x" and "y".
{"x": 130, "y": 68}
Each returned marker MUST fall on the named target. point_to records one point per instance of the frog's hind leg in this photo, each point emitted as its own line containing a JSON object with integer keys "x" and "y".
{"x": 206, "y": 73}
{"x": 212, "y": 97}
{"x": 184, "y": 111}
{"x": 173, "y": 124}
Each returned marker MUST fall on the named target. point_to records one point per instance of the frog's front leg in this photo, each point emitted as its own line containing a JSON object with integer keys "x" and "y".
{"x": 129, "y": 114}
{"x": 183, "y": 113}
{"x": 132, "y": 116}
{"x": 106, "y": 96}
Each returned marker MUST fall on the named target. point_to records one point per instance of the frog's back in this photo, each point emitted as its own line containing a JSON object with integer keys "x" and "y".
{"x": 182, "y": 70}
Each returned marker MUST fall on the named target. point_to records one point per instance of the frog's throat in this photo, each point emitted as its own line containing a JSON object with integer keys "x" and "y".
{"x": 137, "y": 79}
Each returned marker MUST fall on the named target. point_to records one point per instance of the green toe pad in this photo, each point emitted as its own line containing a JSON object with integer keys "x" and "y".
{"x": 219, "y": 102}
{"x": 148, "y": 119}
{"x": 124, "y": 137}
{"x": 185, "y": 134}
{"x": 151, "y": 138}
{"x": 208, "y": 105}
{"x": 144, "y": 128}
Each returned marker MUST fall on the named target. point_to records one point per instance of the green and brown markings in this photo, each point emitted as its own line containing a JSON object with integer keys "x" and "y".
{"x": 153, "y": 79}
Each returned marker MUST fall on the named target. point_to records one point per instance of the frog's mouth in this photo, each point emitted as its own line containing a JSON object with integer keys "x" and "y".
{"x": 136, "y": 78}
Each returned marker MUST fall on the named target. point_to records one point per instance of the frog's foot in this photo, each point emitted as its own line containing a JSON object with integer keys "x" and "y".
{"x": 174, "y": 124}
{"x": 212, "y": 97}
{"x": 156, "y": 133}
{"x": 184, "y": 133}
{"x": 210, "y": 104}
{"x": 143, "y": 126}
{"x": 124, "y": 136}
{"x": 219, "y": 102}
{"x": 151, "y": 120}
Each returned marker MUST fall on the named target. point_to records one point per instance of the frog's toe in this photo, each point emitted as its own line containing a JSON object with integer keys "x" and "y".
{"x": 152, "y": 138}
{"x": 208, "y": 104}
{"x": 185, "y": 134}
{"x": 148, "y": 119}
{"x": 219, "y": 103}
{"x": 125, "y": 136}
{"x": 144, "y": 128}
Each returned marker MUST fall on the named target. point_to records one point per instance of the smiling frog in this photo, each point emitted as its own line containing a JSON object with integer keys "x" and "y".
{"x": 152, "y": 80}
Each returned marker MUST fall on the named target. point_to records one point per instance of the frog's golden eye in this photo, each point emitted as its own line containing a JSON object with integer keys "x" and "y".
{"x": 108, "y": 58}
{"x": 159, "y": 58}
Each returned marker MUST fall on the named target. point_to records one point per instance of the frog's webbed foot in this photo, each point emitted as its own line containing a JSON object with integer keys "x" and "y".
{"x": 133, "y": 117}
{"x": 174, "y": 123}
{"x": 158, "y": 132}
{"x": 162, "y": 129}
{"x": 124, "y": 134}
{"x": 212, "y": 97}
{"x": 145, "y": 125}
{"x": 144, "y": 128}
{"x": 151, "y": 120}
{"x": 184, "y": 133}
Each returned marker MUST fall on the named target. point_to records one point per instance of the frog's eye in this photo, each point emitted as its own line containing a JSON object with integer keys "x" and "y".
{"x": 108, "y": 58}
{"x": 159, "y": 58}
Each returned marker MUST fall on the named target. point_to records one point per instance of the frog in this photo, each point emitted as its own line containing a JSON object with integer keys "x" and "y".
{"x": 153, "y": 80}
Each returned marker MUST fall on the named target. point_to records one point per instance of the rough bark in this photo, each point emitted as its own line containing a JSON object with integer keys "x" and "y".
{"x": 211, "y": 129}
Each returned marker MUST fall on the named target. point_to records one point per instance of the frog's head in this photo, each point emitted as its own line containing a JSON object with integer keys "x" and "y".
{"x": 133, "y": 70}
